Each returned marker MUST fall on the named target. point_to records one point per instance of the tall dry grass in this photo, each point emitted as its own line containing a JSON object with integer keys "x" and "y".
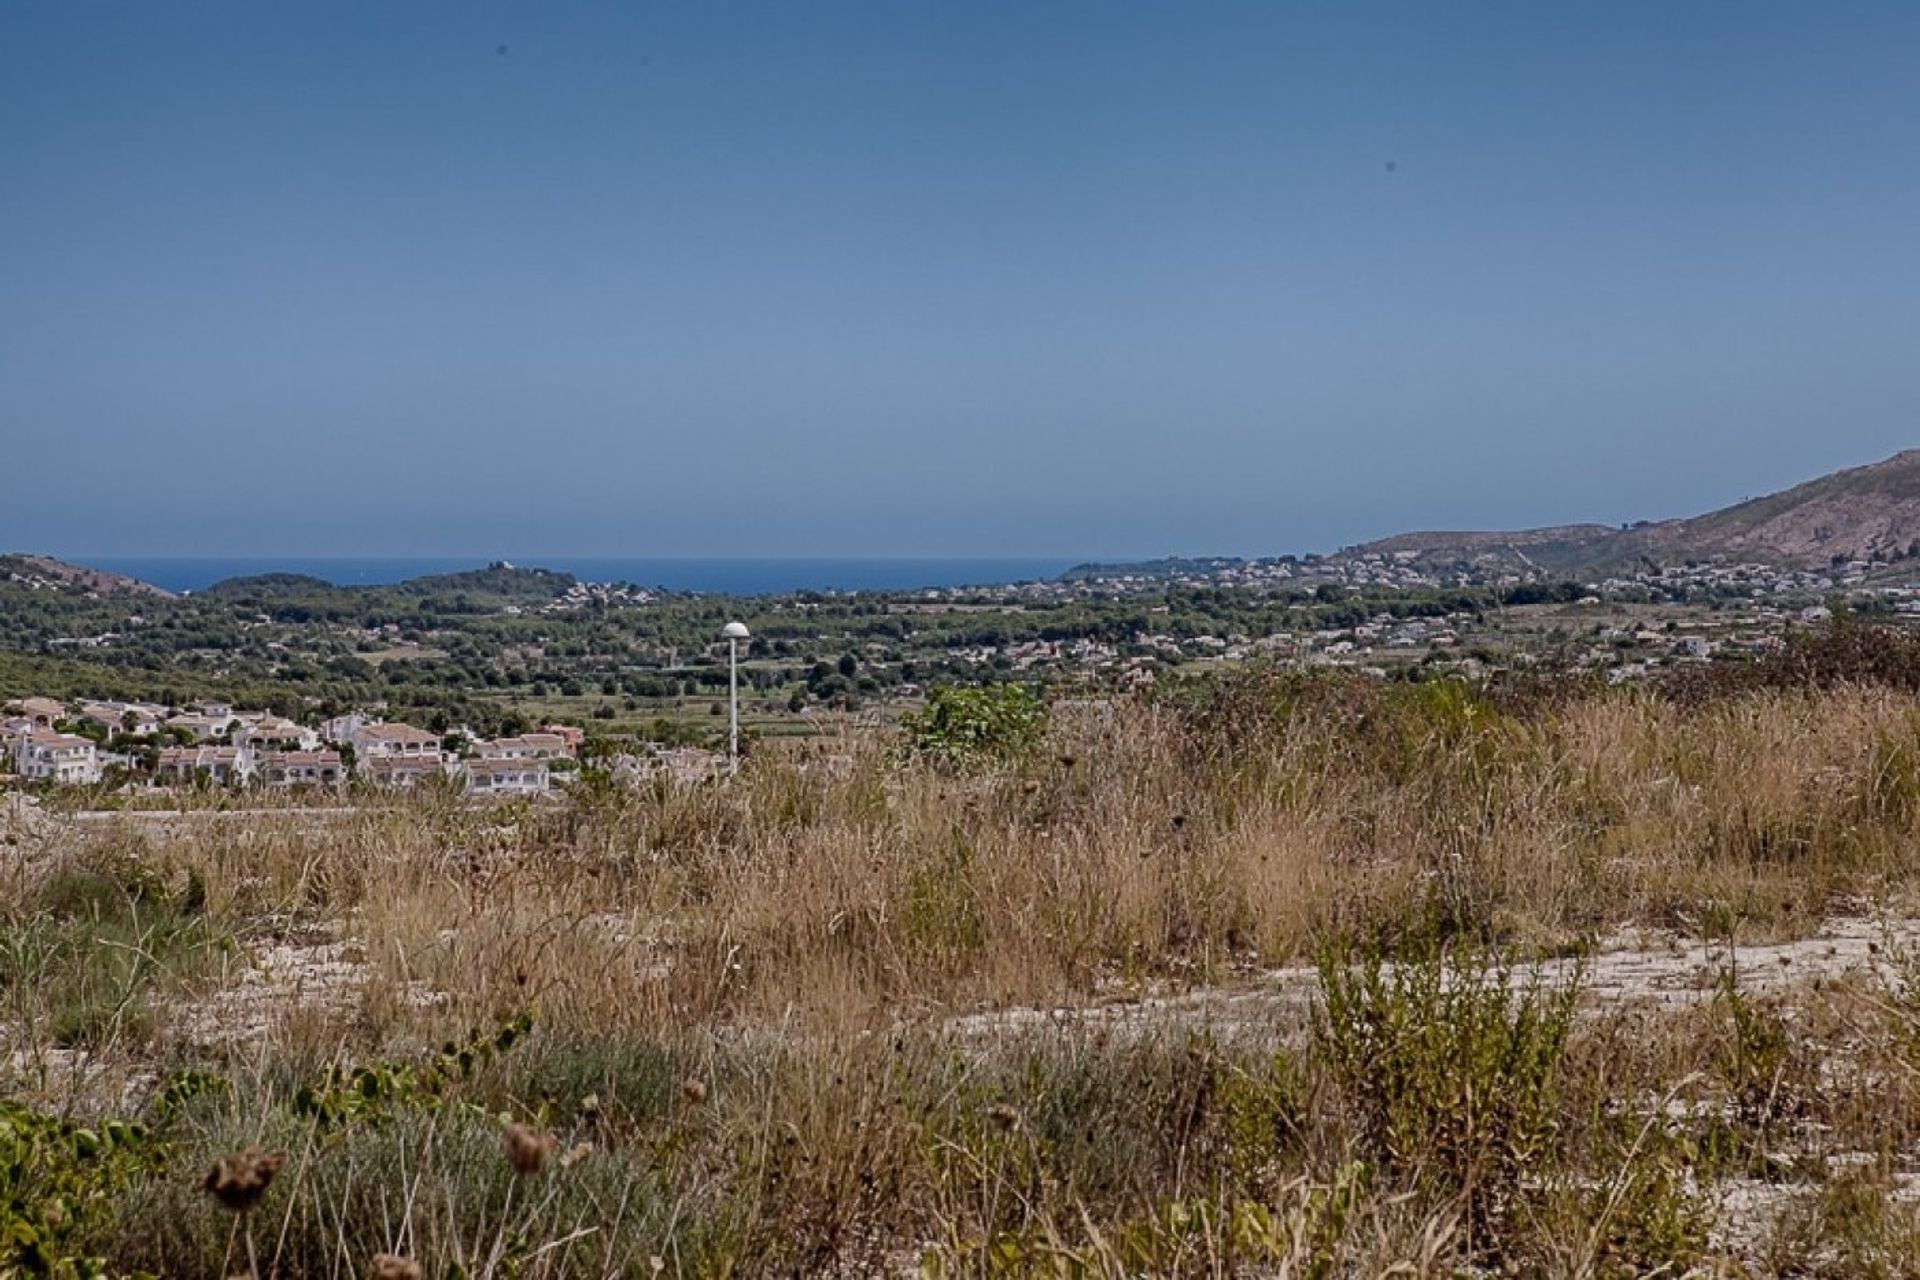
{"x": 800, "y": 937}
{"x": 1183, "y": 843}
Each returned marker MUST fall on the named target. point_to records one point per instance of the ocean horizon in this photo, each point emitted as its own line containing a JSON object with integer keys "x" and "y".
{"x": 714, "y": 576}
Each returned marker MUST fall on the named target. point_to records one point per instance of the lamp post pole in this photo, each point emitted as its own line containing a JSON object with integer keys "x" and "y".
{"x": 733, "y": 704}
{"x": 735, "y": 632}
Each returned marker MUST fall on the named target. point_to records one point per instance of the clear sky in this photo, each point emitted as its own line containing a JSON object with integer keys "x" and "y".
{"x": 970, "y": 278}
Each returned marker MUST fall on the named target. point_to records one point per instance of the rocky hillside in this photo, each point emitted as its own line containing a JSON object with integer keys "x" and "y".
{"x": 1859, "y": 514}
{"x": 48, "y": 572}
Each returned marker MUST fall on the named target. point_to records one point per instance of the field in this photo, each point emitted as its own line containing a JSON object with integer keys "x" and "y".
{"x": 1275, "y": 975}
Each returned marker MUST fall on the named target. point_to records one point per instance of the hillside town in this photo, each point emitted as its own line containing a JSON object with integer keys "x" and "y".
{"x": 214, "y": 744}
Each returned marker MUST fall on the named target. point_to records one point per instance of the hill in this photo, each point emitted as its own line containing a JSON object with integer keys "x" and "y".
{"x": 33, "y": 569}
{"x": 499, "y": 581}
{"x": 295, "y": 594}
{"x": 262, "y": 585}
{"x": 1863, "y": 513}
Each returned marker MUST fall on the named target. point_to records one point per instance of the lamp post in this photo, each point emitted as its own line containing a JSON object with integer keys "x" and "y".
{"x": 734, "y": 632}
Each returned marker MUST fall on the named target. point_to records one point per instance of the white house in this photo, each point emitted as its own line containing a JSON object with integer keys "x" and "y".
{"x": 289, "y": 769}
{"x": 123, "y": 717}
{"x": 528, "y": 746}
{"x": 401, "y": 772}
{"x": 201, "y": 725}
{"x": 396, "y": 742}
{"x": 270, "y": 733}
{"x": 223, "y": 766}
{"x": 43, "y": 712}
{"x": 341, "y": 729}
{"x": 504, "y": 777}
{"x": 44, "y": 756}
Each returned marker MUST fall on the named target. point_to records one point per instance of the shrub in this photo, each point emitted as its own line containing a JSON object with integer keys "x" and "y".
{"x": 1451, "y": 1067}
{"x": 994, "y": 724}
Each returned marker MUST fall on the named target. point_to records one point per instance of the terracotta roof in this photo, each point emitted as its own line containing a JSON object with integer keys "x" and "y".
{"x": 40, "y": 706}
{"x": 550, "y": 740}
{"x": 391, "y": 764}
{"x": 302, "y": 759}
{"x": 505, "y": 766}
{"x": 397, "y": 732}
{"x": 42, "y": 738}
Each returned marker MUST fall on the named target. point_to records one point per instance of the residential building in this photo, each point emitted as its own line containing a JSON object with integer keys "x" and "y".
{"x": 271, "y": 733}
{"x": 341, "y": 729}
{"x": 396, "y": 741}
{"x": 502, "y": 777}
{"x": 222, "y": 766}
{"x": 528, "y": 746}
{"x": 124, "y": 717}
{"x": 572, "y": 735}
{"x": 288, "y": 769}
{"x": 44, "y": 756}
{"x": 402, "y": 772}
{"x": 201, "y": 725}
{"x": 44, "y": 713}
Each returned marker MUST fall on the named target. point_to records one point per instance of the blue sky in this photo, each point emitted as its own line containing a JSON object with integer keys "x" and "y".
{"x": 957, "y": 279}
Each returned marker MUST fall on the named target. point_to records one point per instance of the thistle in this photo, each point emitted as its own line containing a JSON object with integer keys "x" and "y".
{"x": 528, "y": 1148}
{"x": 240, "y": 1179}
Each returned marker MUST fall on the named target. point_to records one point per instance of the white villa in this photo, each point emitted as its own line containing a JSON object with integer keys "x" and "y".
{"x": 290, "y": 769}
{"x": 223, "y": 766}
{"x": 124, "y": 717}
{"x": 41, "y": 712}
{"x": 232, "y": 748}
{"x": 503, "y": 777}
{"x": 201, "y": 725}
{"x": 528, "y": 746}
{"x": 396, "y": 742}
{"x": 44, "y": 756}
{"x": 271, "y": 733}
{"x": 403, "y": 772}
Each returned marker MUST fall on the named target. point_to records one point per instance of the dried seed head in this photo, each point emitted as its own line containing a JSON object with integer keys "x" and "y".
{"x": 528, "y": 1148}
{"x": 579, "y": 1152}
{"x": 240, "y": 1179}
{"x": 694, "y": 1091}
{"x": 391, "y": 1266}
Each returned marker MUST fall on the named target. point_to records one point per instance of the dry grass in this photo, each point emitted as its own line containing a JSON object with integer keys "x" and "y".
{"x": 797, "y": 942}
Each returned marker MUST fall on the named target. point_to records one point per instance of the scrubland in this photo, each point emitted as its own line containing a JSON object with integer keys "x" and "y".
{"x": 765, "y": 1026}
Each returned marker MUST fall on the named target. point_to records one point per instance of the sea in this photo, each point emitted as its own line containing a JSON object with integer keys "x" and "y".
{"x": 742, "y": 577}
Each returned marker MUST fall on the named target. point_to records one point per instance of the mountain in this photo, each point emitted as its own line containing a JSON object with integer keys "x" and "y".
{"x": 1856, "y": 514}
{"x": 1863, "y": 513}
{"x": 45, "y": 569}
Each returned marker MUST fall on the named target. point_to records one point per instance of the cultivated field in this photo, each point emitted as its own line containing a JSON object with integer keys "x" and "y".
{"x": 1286, "y": 976}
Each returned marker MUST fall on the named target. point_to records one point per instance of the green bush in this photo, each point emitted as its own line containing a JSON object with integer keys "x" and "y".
{"x": 1451, "y": 1066}
{"x": 994, "y": 724}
